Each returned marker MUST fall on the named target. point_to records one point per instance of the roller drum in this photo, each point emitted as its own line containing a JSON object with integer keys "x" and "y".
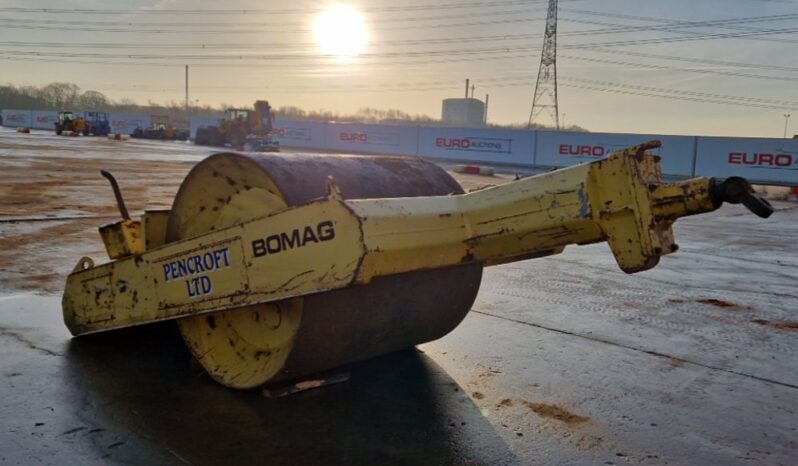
{"x": 260, "y": 344}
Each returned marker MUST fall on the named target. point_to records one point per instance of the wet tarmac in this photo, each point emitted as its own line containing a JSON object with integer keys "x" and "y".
{"x": 563, "y": 360}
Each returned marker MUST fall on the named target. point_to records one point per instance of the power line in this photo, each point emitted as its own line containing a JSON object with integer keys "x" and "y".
{"x": 681, "y": 98}
{"x": 285, "y": 56}
{"x": 615, "y": 29}
{"x": 281, "y": 67}
{"x": 665, "y": 24}
{"x": 272, "y": 11}
{"x": 680, "y": 92}
{"x": 505, "y": 37}
{"x": 676, "y": 28}
{"x": 238, "y": 30}
{"x": 261, "y": 45}
{"x": 261, "y": 24}
{"x": 508, "y": 82}
{"x": 665, "y": 40}
{"x": 262, "y": 57}
{"x": 687, "y": 70}
{"x": 703, "y": 61}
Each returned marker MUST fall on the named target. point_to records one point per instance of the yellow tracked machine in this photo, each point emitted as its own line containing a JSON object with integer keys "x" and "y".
{"x": 276, "y": 267}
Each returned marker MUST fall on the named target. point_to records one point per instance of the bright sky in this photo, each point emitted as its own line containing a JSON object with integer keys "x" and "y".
{"x": 613, "y": 55}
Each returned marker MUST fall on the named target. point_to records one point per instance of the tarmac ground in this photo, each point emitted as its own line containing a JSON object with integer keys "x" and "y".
{"x": 563, "y": 360}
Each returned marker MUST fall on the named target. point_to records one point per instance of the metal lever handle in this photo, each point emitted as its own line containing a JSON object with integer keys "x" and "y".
{"x": 737, "y": 190}
{"x": 117, "y": 193}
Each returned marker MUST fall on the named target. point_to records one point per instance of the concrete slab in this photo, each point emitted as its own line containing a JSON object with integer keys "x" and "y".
{"x": 136, "y": 397}
{"x": 692, "y": 362}
{"x": 564, "y": 360}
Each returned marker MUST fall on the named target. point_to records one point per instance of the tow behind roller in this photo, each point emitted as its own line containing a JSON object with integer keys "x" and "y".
{"x": 276, "y": 267}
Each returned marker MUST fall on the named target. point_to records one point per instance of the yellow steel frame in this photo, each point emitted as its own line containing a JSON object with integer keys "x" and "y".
{"x": 334, "y": 243}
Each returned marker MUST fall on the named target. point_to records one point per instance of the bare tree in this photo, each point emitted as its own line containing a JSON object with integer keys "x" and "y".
{"x": 93, "y": 100}
{"x": 61, "y": 96}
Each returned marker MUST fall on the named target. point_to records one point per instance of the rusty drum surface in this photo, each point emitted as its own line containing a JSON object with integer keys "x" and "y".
{"x": 259, "y": 344}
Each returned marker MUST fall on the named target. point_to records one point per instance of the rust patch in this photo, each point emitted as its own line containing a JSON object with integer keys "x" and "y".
{"x": 716, "y": 302}
{"x": 477, "y": 395}
{"x": 211, "y": 322}
{"x": 555, "y": 412}
{"x": 505, "y": 403}
{"x": 778, "y": 325}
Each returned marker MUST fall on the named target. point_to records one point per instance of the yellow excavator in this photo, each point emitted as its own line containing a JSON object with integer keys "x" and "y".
{"x": 277, "y": 267}
{"x": 242, "y": 129}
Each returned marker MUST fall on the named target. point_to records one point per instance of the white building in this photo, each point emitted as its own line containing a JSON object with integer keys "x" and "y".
{"x": 467, "y": 112}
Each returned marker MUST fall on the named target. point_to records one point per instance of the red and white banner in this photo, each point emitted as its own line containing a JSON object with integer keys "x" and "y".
{"x": 43, "y": 119}
{"x": 562, "y": 149}
{"x": 123, "y": 123}
{"x": 296, "y": 133}
{"x": 760, "y": 160}
{"x": 372, "y": 139}
{"x": 16, "y": 118}
{"x": 477, "y": 145}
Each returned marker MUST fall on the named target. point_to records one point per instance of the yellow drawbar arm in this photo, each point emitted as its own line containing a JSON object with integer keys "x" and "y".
{"x": 334, "y": 243}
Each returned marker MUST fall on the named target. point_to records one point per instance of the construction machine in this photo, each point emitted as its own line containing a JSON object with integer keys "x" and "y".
{"x": 96, "y": 124}
{"x": 68, "y": 124}
{"x": 277, "y": 267}
{"x": 161, "y": 129}
{"x": 243, "y": 129}
{"x": 91, "y": 124}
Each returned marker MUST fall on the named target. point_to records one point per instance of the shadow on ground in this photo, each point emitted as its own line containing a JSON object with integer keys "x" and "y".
{"x": 136, "y": 396}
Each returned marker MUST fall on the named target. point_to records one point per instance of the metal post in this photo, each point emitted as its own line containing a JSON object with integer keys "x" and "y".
{"x": 467, "y": 83}
{"x": 545, "y": 98}
{"x": 485, "y": 117}
{"x": 786, "y": 121}
{"x": 186, "y": 88}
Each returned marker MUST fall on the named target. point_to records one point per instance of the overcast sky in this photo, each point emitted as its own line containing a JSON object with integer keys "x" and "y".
{"x": 613, "y": 57}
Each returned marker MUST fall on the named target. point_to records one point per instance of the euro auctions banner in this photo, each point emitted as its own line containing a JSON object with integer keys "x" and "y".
{"x": 123, "y": 123}
{"x": 372, "y": 139}
{"x": 759, "y": 160}
{"x": 44, "y": 119}
{"x": 16, "y": 118}
{"x": 562, "y": 149}
{"x": 482, "y": 145}
{"x": 304, "y": 134}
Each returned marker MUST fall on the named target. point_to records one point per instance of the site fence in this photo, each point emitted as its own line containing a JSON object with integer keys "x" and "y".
{"x": 761, "y": 160}
{"x": 120, "y": 123}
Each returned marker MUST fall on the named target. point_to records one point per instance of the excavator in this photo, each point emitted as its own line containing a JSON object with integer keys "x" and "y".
{"x": 242, "y": 129}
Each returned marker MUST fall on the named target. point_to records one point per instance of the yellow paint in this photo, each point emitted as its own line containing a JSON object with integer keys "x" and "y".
{"x": 123, "y": 238}
{"x": 154, "y": 226}
{"x": 242, "y": 248}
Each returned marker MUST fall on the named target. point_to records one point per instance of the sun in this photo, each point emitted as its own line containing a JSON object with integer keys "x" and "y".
{"x": 341, "y": 32}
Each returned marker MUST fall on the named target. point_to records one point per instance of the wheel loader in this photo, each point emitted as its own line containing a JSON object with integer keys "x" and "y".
{"x": 276, "y": 267}
{"x": 242, "y": 129}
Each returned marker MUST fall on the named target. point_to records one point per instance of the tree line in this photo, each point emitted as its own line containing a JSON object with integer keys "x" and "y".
{"x": 68, "y": 96}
